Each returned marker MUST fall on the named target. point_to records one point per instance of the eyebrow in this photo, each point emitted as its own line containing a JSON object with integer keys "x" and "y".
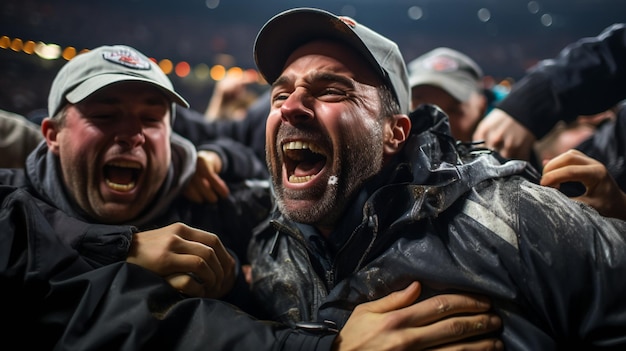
{"x": 151, "y": 100}
{"x": 322, "y": 76}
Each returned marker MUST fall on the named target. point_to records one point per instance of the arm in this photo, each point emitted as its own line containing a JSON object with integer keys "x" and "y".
{"x": 47, "y": 285}
{"x": 602, "y": 192}
{"x": 585, "y": 78}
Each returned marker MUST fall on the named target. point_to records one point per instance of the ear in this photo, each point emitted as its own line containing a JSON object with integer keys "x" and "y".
{"x": 50, "y": 132}
{"x": 396, "y": 132}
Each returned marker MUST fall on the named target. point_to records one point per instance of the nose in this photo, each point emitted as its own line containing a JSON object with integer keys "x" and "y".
{"x": 295, "y": 109}
{"x": 130, "y": 135}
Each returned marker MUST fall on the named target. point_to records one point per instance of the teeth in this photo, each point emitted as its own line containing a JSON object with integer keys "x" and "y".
{"x": 120, "y": 187}
{"x": 294, "y": 179}
{"x": 125, "y": 164}
{"x": 301, "y": 145}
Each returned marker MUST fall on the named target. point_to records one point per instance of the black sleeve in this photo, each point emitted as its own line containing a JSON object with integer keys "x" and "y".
{"x": 49, "y": 289}
{"x": 232, "y": 140}
{"x": 587, "y": 77}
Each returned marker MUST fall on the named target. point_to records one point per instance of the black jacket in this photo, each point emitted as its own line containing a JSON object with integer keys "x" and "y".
{"x": 54, "y": 298}
{"x": 457, "y": 220}
{"x": 64, "y": 278}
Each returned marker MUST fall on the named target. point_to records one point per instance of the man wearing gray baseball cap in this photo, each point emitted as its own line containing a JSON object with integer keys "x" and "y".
{"x": 454, "y": 82}
{"x": 370, "y": 200}
{"x": 334, "y": 135}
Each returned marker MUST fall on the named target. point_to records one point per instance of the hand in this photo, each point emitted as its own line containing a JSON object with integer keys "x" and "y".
{"x": 206, "y": 184}
{"x": 193, "y": 261}
{"x": 230, "y": 90}
{"x": 439, "y": 323}
{"x": 501, "y": 132}
{"x": 602, "y": 192}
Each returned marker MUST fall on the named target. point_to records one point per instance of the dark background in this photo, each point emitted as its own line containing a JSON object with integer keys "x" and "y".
{"x": 511, "y": 40}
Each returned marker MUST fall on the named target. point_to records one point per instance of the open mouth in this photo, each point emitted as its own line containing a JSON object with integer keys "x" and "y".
{"x": 122, "y": 175}
{"x": 303, "y": 161}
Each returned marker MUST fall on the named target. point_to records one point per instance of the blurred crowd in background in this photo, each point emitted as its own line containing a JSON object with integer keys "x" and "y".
{"x": 503, "y": 37}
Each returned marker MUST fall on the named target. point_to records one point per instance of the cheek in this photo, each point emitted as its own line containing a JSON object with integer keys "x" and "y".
{"x": 272, "y": 125}
{"x": 160, "y": 144}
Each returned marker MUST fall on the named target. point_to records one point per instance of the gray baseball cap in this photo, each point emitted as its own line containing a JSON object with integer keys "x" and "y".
{"x": 290, "y": 29}
{"x": 93, "y": 70}
{"x": 447, "y": 69}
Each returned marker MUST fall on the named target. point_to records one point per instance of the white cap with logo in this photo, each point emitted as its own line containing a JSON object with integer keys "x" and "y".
{"x": 93, "y": 70}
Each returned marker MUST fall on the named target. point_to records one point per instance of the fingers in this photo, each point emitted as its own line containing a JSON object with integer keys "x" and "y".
{"x": 442, "y": 306}
{"x": 187, "y": 284}
{"x": 453, "y": 330}
{"x": 443, "y": 322}
{"x": 393, "y": 301}
{"x": 206, "y": 184}
{"x": 180, "y": 249}
{"x": 501, "y": 132}
{"x": 209, "y": 240}
{"x": 573, "y": 166}
{"x": 480, "y": 345}
{"x": 569, "y": 157}
{"x": 199, "y": 190}
{"x": 204, "y": 255}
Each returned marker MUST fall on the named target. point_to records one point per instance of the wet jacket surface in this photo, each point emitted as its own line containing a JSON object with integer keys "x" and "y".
{"x": 457, "y": 220}
{"x": 65, "y": 281}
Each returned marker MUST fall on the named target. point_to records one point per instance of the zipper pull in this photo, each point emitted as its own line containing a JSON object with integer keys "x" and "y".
{"x": 274, "y": 246}
{"x": 330, "y": 278}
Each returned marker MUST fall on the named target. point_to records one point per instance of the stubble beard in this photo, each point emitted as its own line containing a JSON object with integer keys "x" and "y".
{"x": 328, "y": 209}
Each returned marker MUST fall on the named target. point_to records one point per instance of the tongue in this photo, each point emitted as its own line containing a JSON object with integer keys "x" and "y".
{"x": 119, "y": 175}
{"x": 308, "y": 168}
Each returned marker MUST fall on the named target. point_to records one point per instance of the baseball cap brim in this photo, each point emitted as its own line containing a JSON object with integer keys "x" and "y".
{"x": 96, "y": 83}
{"x": 460, "y": 89}
{"x": 287, "y": 31}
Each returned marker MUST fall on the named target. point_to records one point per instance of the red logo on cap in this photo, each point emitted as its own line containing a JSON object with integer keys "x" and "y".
{"x": 348, "y": 21}
{"x": 441, "y": 64}
{"x": 126, "y": 58}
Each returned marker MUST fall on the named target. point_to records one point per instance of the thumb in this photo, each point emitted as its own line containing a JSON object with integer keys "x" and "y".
{"x": 396, "y": 300}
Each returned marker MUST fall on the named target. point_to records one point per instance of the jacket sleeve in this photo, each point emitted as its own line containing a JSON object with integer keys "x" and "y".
{"x": 48, "y": 288}
{"x": 229, "y": 139}
{"x": 570, "y": 270}
{"x": 587, "y": 77}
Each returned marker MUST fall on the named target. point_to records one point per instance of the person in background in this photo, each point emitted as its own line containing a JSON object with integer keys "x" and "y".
{"x": 586, "y": 78}
{"x": 454, "y": 82}
{"x": 370, "y": 198}
{"x": 231, "y": 97}
{"x": 18, "y": 137}
{"x": 102, "y": 251}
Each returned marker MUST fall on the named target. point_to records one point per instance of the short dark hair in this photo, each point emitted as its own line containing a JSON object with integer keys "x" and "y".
{"x": 388, "y": 104}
